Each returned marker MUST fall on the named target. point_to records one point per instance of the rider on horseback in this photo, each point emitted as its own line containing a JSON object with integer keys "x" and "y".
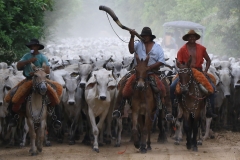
{"x": 38, "y": 59}
{"x": 142, "y": 49}
{"x": 198, "y": 54}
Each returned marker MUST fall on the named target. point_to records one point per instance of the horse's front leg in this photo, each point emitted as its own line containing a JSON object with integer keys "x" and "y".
{"x": 32, "y": 133}
{"x": 188, "y": 130}
{"x": 135, "y": 133}
{"x": 41, "y": 135}
{"x": 195, "y": 132}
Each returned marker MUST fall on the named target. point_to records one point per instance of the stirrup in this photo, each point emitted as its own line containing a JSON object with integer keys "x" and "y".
{"x": 57, "y": 124}
{"x": 116, "y": 114}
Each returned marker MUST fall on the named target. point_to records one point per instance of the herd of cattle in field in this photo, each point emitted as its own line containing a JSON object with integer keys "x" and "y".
{"x": 89, "y": 71}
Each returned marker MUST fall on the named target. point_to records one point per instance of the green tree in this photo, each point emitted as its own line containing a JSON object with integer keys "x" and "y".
{"x": 20, "y": 20}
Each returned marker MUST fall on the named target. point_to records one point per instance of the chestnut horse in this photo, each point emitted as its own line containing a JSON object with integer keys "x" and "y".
{"x": 191, "y": 102}
{"x": 143, "y": 107}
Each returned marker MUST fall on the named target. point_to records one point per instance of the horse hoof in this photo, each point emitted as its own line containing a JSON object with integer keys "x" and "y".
{"x": 60, "y": 141}
{"x": 34, "y": 154}
{"x": 48, "y": 144}
{"x": 96, "y": 150}
{"x": 195, "y": 149}
{"x": 21, "y": 145}
{"x": 143, "y": 150}
{"x": 212, "y": 137}
{"x": 149, "y": 148}
{"x": 176, "y": 142}
{"x": 189, "y": 147}
{"x": 137, "y": 145}
{"x": 71, "y": 142}
{"x": 39, "y": 149}
{"x": 117, "y": 145}
{"x": 199, "y": 143}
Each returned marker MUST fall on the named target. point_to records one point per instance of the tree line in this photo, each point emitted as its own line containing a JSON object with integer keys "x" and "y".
{"x": 22, "y": 20}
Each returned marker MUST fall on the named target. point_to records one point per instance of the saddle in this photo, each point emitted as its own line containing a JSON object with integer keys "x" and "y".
{"x": 18, "y": 95}
{"x": 157, "y": 85}
{"x": 201, "y": 79}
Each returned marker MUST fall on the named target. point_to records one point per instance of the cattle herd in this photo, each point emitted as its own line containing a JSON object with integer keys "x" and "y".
{"x": 89, "y": 70}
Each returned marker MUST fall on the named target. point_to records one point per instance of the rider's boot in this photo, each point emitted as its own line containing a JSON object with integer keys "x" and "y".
{"x": 209, "y": 112}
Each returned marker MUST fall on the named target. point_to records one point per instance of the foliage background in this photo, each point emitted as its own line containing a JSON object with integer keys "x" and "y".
{"x": 22, "y": 20}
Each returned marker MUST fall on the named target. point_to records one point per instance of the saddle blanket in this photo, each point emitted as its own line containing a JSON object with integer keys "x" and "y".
{"x": 128, "y": 88}
{"x": 200, "y": 78}
{"x": 21, "y": 91}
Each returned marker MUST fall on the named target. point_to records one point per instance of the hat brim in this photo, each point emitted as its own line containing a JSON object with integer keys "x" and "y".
{"x": 40, "y": 45}
{"x": 153, "y": 36}
{"x": 185, "y": 37}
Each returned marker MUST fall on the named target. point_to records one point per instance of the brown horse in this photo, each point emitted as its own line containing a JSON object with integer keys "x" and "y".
{"x": 191, "y": 102}
{"x": 143, "y": 107}
{"x": 36, "y": 110}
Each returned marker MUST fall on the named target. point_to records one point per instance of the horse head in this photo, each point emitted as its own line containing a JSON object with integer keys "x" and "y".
{"x": 185, "y": 75}
{"x": 141, "y": 72}
{"x": 39, "y": 79}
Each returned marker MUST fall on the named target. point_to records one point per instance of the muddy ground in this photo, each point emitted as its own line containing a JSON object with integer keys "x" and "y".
{"x": 225, "y": 146}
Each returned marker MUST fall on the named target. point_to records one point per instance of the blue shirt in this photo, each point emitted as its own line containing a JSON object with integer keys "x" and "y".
{"x": 156, "y": 53}
{"x": 40, "y": 59}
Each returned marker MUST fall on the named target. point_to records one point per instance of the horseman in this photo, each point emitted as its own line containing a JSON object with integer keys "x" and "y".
{"x": 198, "y": 53}
{"x": 38, "y": 59}
{"x": 142, "y": 49}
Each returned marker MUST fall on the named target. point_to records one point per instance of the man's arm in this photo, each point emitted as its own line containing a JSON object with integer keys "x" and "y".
{"x": 131, "y": 42}
{"x": 21, "y": 64}
{"x": 155, "y": 66}
{"x": 208, "y": 62}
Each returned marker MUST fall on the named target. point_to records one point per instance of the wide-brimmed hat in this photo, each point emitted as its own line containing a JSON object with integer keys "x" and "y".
{"x": 35, "y": 41}
{"x": 191, "y": 32}
{"x": 146, "y": 31}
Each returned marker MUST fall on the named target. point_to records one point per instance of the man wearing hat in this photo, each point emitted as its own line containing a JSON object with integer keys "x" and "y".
{"x": 143, "y": 48}
{"x": 198, "y": 53}
{"x": 35, "y": 57}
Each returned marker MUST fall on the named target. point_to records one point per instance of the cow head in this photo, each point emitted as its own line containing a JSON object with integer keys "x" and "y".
{"x": 103, "y": 81}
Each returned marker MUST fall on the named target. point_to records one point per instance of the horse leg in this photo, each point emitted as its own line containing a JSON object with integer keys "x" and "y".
{"x": 118, "y": 131}
{"x": 143, "y": 125}
{"x": 32, "y": 133}
{"x": 162, "y": 138}
{"x": 41, "y": 135}
{"x": 187, "y": 129}
{"x": 149, "y": 137}
{"x": 178, "y": 132}
{"x": 135, "y": 133}
{"x": 194, "y": 131}
{"x": 25, "y": 132}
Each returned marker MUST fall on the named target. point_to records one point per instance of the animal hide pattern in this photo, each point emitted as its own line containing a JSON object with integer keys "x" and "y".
{"x": 200, "y": 78}
{"x": 128, "y": 88}
{"x": 24, "y": 88}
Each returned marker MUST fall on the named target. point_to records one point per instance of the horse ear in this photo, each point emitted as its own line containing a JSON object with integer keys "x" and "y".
{"x": 33, "y": 66}
{"x": 44, "y": 65}
{"x": 147, "y": 59}
{"x": 189, "y": 61}
{"x": 137, "y": 58}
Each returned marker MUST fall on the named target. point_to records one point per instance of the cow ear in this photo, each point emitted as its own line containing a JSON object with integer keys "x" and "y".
{"x": 91, "y": 83}
{"x": 111, "y": 85}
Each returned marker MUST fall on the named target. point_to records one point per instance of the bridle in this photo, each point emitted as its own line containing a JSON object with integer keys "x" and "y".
{"x": 36, "y": 86}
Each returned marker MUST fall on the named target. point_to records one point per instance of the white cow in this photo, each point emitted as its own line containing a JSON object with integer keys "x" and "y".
{"x": 99, "y": 93}
{"x": 72, "y": 104}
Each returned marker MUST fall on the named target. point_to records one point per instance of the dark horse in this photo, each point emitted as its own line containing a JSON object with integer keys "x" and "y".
{"x": 191, "y": 102}
{"x": 143, "y": 107}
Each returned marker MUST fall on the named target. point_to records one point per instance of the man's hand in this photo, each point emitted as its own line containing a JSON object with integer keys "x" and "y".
{"x": 31, "y": 60}
{"x": 132, "y": 32}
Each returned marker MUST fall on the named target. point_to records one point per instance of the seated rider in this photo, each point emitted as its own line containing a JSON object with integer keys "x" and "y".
{"x": 198, "y": 54}
{"x": 35, "y": 57}
{"x": 142, "y": 48}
